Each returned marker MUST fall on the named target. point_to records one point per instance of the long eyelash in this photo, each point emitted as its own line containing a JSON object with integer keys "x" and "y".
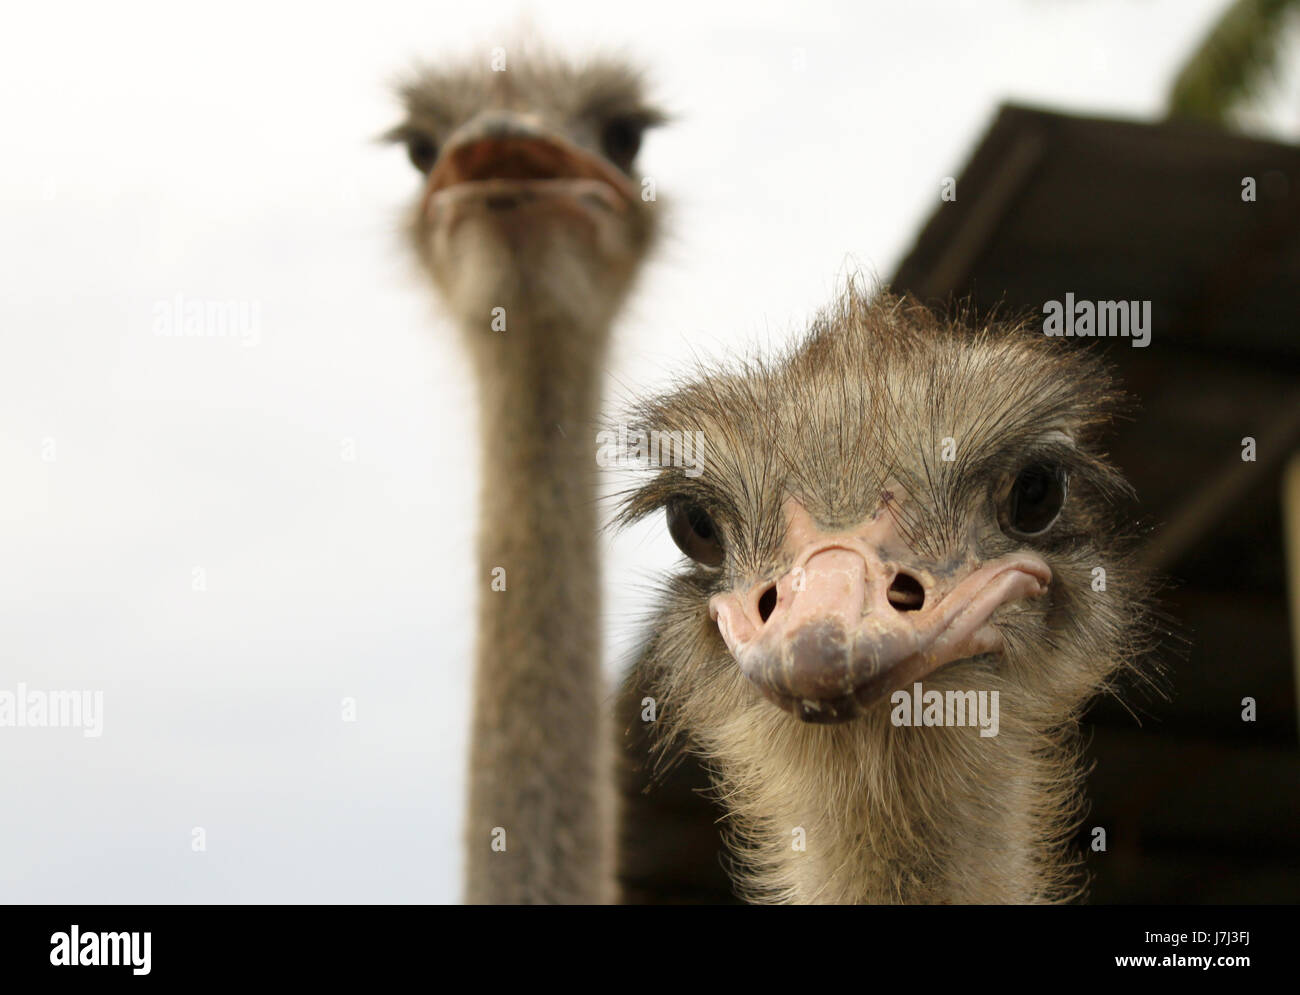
{"x": 636, "y": 503}
{"x": 640, "y": 116}
{"x": 1080, "y": 465}
{"x": 418, "y": 125}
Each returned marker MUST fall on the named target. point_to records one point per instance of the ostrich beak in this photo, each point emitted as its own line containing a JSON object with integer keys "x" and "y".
{"x": 505, "y": 160}
{"x": 856, "y": 618}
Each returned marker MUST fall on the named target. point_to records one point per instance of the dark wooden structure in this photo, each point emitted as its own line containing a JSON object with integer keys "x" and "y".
{"x": 1199, "y": 805}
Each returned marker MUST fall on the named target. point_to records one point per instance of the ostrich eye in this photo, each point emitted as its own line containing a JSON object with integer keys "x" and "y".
{"x": 694, "y": 532}
{"x": 1035, "y": 501}
{"x": 422, "y": 151}
{"x": 620, "y": 140}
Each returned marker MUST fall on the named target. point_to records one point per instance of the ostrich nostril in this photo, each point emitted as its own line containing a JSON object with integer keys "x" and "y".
{"x": 906, "y": 593}
{"x": 767, "y": 603}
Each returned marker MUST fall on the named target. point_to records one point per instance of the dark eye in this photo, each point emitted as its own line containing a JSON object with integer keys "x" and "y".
{"x": 1035, "y": 501}
{"x": 422, "y": 151}
{"x": 694, "y": 532}
{"x": 621, "y": 141}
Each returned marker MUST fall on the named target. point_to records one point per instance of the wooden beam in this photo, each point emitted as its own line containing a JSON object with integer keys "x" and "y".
{"x": 989, "y": 206}
{"x": 1200, "y": 513}
{"x": 1291, "y": 531}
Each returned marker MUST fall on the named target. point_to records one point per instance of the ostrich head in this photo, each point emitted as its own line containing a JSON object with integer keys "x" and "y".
{"x": 529, "y": 193}
{"x": 898, "y": 501}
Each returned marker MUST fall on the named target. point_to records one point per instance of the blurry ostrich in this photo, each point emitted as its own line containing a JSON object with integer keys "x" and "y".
{"x": 532, "y": 225}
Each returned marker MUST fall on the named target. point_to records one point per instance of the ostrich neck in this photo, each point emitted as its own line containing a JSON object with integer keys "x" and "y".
{"x": 956, "y": 819}
{"x": 926, "y": 849}
{"x": 538, "y": 748}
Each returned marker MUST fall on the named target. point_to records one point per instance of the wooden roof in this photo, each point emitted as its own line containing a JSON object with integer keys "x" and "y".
{"x": 1199, "y": 805}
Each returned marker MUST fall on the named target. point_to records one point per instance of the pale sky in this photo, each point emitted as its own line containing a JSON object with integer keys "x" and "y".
{"x": 149, "y": 152}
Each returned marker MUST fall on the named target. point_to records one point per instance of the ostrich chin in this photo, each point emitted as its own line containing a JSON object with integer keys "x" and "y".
{"x": 857, "y": 616}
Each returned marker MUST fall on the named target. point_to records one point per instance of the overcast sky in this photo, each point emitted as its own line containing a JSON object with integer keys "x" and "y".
{"x": 228, "y": 535}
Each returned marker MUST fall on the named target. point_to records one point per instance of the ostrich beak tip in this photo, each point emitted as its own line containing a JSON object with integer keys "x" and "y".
{"x": 831, "y": 665}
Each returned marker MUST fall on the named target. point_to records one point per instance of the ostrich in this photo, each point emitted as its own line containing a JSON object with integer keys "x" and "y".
{"x": 900, "y": 506}
{"x": 532, "y": 228}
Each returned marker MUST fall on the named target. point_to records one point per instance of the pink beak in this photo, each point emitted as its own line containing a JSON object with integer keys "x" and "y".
{"x": 849, "y": 623}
